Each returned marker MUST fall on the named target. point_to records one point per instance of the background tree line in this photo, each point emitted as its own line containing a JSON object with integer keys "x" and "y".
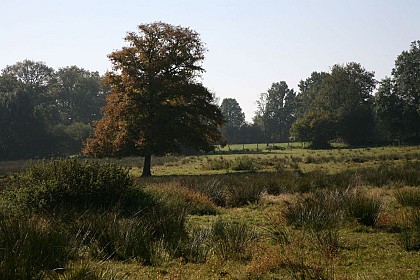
{"x": 346, "y": 104}
{"x": 46, "y": 112}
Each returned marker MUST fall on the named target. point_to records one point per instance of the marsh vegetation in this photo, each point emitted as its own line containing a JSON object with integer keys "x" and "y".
{"x": 287, "y": 213}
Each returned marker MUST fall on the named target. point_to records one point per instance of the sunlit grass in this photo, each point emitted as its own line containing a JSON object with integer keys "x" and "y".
{"x": 208, "y": 189}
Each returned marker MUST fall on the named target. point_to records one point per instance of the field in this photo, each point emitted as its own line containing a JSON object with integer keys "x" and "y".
{"x": 276, "y": 212}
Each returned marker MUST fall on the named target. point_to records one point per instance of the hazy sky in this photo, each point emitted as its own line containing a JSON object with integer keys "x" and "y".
{"x": 251, "y": 43}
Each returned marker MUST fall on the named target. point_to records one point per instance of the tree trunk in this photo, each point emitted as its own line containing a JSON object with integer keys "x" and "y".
{"x": 147, "y": 165}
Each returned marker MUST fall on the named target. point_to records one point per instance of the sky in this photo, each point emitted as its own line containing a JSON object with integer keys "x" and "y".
{"x": 251, "y": 44}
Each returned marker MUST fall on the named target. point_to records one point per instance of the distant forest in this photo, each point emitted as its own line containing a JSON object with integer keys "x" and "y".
{"x": 46, "y": 112}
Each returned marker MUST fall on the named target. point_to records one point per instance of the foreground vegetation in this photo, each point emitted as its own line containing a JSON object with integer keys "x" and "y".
{"x": 277, "y": 213}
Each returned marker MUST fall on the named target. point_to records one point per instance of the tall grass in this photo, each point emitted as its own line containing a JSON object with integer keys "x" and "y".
{"x": 409, "y": 236}
{"x": 317, "y": 211}
{"x": 231, "y": 240}
{"x": 408, "y": 196}
{"x": 365, "y": 209}
{"x": 29, "y": 249}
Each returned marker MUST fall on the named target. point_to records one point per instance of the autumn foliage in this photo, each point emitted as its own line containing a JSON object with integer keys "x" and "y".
{"x": 156, "y": 104}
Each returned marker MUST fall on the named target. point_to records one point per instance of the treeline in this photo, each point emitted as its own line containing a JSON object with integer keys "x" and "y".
{"x": 346, "y": 104}
{"x": 46, "y": 112}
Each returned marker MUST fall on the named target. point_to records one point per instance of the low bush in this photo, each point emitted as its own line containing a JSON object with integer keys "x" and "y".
{"x": 68, "y": 183}
{"x": 212, "y": 187}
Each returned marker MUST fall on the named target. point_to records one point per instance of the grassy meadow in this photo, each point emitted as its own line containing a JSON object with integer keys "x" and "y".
{"x": 242, "y": 212}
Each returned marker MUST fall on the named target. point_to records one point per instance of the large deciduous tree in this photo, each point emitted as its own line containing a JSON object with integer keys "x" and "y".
{"x": 77, "y": 95}
{"x": 397, "y": 101}
{"x": 342, "y": 106}
{"x": 156, "y": 104}
{"x": 276, "y": 111}
{"x": 406, "y": 74}
{"x": 234, "y": 119}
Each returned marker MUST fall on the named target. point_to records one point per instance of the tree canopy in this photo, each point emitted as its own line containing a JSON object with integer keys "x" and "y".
{"x": 275, "y": 113}
{"x": 345, "y": 95}
{"x": 46, "y": 112}
{"x": 234, "y": 119}
{"x": 156, "y": 103}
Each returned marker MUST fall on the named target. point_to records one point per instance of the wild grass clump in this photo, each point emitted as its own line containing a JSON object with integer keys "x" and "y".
{"x": 408, "y": 196}
{"x": 198, "y": 246}
{"x": 407, "y": 174}
{"x": 68, "y": 183}
{"x": 84, "y": 271}
{"x": 31, "y": 248}
{"x": 316, "y": 211}
{"x": 243, "y": 163}
{"x": 241, "y": 190}
{"x": 409, "y": 236}
{"x": 177, "y": 196}
{"x": 217, "y": 164}
{"x": 211, "y": 187}
{"x": 233, "y": 190}
{"x": 231, "y": 240}
{"x": 365, "y": 209}
{"x": 144, "y": 237}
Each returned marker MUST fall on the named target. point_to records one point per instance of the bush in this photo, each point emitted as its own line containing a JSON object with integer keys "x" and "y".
{"x": 69, "y": 183}
{"x": 29, "y": 248}
{"x": 363, "y": 208}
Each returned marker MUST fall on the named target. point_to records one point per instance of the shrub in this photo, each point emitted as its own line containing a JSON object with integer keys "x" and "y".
{"x": 31, "y": 247}
{"x": 363, "y": 208}
{"x": 69, "y": 183}
{"x": 408, "y": 196}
